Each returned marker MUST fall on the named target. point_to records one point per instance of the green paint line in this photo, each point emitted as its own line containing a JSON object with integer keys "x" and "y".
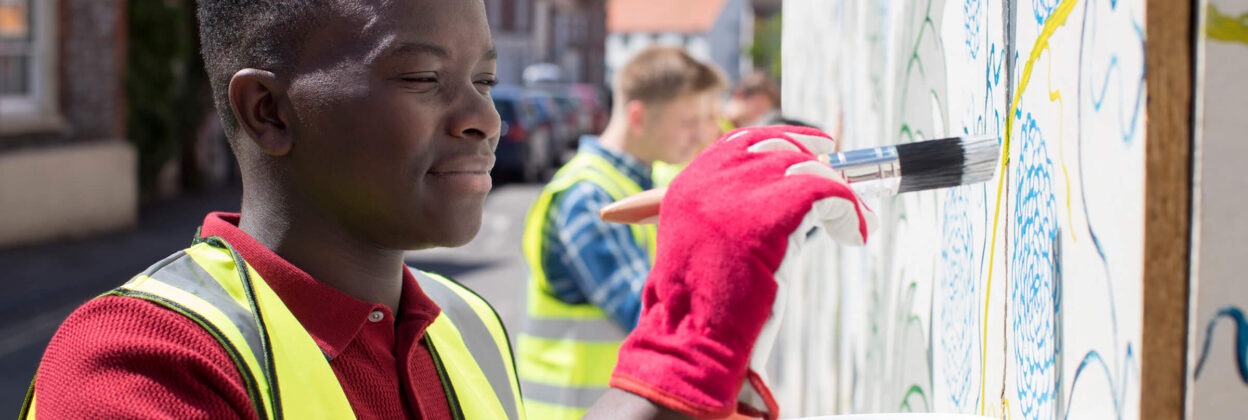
{"x": 915, "y": 389}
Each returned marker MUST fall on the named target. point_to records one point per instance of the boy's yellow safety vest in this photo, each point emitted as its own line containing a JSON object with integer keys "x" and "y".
{"x": 567, "y": 352}
{"x": 286, "y": 373}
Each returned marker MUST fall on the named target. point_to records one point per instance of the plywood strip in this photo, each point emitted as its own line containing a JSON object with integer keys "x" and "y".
{"x": 1167, "y": 209}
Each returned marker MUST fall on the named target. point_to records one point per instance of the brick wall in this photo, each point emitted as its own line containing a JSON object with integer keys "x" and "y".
{"x": 92, "y": 63}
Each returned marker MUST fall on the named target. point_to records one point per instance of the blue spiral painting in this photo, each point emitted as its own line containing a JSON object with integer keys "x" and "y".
{"x": 1032, "y": 270}
{"x": 958, "y": 300}
{"x": 1042, "y": 9}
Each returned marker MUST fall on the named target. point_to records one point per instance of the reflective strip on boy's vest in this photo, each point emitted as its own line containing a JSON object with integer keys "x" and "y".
{"x": 566, "y": 351}
{"x": 286, "y": 374}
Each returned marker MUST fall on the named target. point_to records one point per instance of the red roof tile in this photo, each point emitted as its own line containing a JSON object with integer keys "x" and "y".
{"x": 682, "y": 16}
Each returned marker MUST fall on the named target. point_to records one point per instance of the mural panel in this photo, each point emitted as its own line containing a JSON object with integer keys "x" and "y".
{"x": 1018, "y": 298}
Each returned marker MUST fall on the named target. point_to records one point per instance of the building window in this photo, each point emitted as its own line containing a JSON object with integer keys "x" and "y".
{"x": 15, "y": 47}
{"x": 27, "y": 60}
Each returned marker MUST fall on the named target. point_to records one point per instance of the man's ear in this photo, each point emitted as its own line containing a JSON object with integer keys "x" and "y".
{"x": 636, "y": 112}
{"x": 254, "y": 99}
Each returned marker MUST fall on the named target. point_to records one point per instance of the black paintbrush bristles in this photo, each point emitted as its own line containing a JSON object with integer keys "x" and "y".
{"x": 983, "y": 155}
{"x": 946, "y": 163}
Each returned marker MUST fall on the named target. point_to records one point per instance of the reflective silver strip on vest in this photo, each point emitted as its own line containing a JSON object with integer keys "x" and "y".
{"x": 476, "y": 336}
{"x": 182, "y": 272}
{"x": 601, "y": 329}
{"x": 579, "y": 397}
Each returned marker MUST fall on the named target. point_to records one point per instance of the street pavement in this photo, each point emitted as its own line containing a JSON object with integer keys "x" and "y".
{"x": 45, "y": 283}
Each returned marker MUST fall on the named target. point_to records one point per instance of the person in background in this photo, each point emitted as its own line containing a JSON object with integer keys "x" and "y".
{"x": 756, "y": 102}
{"x": 716, "y": 124}
{"x": 586, "y": 275}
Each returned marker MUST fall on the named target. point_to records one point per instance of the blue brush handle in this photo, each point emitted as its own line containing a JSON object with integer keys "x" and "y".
{"x": 854, "y": 158}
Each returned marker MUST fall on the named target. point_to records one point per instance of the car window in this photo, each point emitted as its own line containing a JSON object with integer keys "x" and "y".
{"x": 566, "y": 103}
{"x": 543, "y": 110}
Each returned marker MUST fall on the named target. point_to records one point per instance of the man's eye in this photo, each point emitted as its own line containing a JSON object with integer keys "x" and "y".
{"x": 420, "y": 79}
{"x": 488, "y": 82}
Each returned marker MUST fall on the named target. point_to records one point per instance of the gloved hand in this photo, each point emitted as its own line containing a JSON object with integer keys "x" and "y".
{"x": 725, "y": 226}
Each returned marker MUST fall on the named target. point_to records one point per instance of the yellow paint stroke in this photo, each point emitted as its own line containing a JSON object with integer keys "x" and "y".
{"x": 1000, "y": 411}
{"x": 1223, "y": 27}
{"x": 1056, "y": 96}
{"x": 1056, "y": 20}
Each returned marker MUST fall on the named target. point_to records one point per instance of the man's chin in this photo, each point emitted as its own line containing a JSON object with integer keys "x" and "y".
{"x": 458, "y": 242}
{"x": 440, "y": 222}
{"x": 459, "y": 233}
{"x": 439, "y": 243}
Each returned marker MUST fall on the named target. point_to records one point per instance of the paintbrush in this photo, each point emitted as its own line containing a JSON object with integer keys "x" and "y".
{"x": 874, "y": 172}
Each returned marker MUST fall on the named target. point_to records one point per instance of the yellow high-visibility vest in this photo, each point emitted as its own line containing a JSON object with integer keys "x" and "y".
{"x": 286, "y": 373}
{"x": 567, "y": 352}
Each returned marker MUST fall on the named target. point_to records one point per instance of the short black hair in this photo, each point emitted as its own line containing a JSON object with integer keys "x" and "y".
{"x": 262, "y": 34}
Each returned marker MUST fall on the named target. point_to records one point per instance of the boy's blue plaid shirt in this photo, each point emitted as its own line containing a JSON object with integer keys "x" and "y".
{"x": 588, "y": 260}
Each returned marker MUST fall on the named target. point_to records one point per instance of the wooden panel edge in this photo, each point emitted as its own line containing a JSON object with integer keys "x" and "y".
{"x": 1167, "y": 207}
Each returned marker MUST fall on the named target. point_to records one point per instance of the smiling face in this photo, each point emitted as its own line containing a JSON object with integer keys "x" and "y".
{"x": 392, "y": 123}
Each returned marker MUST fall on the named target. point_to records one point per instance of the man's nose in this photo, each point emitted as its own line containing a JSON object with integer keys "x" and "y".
{"x": 475, "y": 117}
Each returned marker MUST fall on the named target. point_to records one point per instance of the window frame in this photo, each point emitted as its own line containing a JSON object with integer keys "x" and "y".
{"x": 38, "y": 110}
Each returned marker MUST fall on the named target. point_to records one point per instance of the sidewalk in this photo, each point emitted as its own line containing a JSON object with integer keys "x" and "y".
{"x": 45, "y": 283}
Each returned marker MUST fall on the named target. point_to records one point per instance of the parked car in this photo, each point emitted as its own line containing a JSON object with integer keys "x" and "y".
{"x": 582, "y": 110}
{"x": 563, "y": 131}
{"x": 593, "y": 101}
{"x": 526, "y": 147}
{"x": 575, "y": 114}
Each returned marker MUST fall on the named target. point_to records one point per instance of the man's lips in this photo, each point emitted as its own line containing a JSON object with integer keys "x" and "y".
{"x": 465, "y": 174}
{"x": 464, "y": 165}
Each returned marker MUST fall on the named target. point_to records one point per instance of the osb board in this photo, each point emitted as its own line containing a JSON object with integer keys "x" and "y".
{"x": 1167, "y": 210}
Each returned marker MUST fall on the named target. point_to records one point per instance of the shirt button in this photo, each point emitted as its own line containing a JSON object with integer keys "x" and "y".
{"x": 376, "y": 316}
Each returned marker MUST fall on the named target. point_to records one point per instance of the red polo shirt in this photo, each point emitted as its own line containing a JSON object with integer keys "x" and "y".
{"x": 126, "y": 357}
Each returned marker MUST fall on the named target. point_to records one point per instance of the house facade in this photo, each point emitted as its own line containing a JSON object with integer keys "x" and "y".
{"x": 717, "y": 31}
{"x": 66, "y": 168}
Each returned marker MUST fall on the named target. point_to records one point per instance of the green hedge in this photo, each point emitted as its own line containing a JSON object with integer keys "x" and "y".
{"x": 165, "y": 82}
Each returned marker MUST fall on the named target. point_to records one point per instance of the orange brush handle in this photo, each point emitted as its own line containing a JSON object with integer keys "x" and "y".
{"x": 640, "y": 208}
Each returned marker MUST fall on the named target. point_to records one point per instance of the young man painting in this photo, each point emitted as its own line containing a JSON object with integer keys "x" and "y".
{"x": 365, "y": 129}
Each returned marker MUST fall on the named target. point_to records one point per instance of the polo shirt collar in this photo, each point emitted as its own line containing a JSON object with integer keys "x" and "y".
{"x": 331, "y": 317}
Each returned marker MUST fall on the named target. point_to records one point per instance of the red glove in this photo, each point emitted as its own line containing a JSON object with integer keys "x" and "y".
{"x": 724, "y": 227}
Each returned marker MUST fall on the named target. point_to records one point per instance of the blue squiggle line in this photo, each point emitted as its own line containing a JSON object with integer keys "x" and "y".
{"x": 1128, "y": 132}
{"x": 1117, "y": 393}
{"x": 1088, "y": 10}
{"x": 1241, "y": 341}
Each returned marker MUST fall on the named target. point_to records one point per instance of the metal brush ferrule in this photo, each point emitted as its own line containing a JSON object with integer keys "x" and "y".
{"x": 870, "y": 172}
